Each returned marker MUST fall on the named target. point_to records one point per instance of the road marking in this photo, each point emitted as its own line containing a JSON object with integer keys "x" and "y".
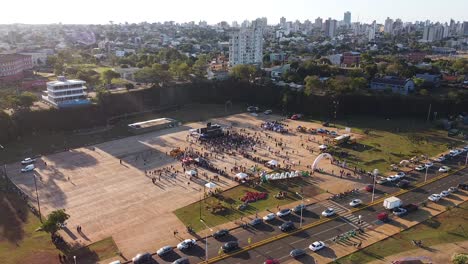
{"x": 349, "y": 222}
{"x": 335, "y": 227}
{"x": 339, "y": 205}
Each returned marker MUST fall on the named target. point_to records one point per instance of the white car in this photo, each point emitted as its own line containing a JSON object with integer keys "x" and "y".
{"x": 454, "y": 152}
{"x": 328, "y": 212}
{"x": 164, "y": 250}
{"x": 444, "y": 169}
{"x": 317, "y": 245}
{"x": 428, "y": 164}
{"x": 269, "y": 217}
{"x": 28, "y": 161}
{"x": 381, "y": 180}
{"x": 400, "y": 175}
{"x": 333, "y": 133}
{"x": 392, "y": 178}
{"x": 29, "y": 167}
{"x": 420, "y": 167}
{"x": 186, "y": 244}
{"x": 268, "y": 112}
{"x": 452, "y": 189}
{"x": 440, "y": 159}
{"x": 355, "y": 202}
{"x": 283, "y": 212}
{"x": 444, "y": 193}
{"x": 434, "y": 197}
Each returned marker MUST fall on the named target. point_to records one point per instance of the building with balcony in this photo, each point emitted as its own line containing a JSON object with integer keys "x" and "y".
{"x": 246, "y": 44}
{"x": 12, "y": 66}
{"x": 66, "y": 93}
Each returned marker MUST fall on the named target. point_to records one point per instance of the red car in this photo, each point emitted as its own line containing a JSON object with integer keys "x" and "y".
{"x": 383, "y": 217}
{"x": 296, "y": 116}
{"x": 369, "y": 188}
{"x": 271, "y": 261}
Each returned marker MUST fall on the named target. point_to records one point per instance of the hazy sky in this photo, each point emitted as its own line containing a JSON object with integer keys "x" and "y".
{"x": 102, "y": 11}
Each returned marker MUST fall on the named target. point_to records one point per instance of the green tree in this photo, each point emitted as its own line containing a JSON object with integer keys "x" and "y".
{"x": 371, "y": 70}
{"x": 54, "y": 221}
{"x": 418, "y": 82}
{"x": 243, "y": 72}
{"x": 200, "y": 66}
{"x": 460, "y": 258}
{"x": 109, "y": 75}
{"x": 26, "y": 100}
{"x": 129, "y": 86}
{"x": 423, "y": 92}
{"x": 312, "y": 83}
{"x": 358, "y": 83}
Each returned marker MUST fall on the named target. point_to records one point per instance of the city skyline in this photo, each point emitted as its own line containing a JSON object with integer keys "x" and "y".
{"x": 96, "y": 12}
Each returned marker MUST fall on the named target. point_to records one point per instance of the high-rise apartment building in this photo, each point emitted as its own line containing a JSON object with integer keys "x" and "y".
{"x": 433, "y": 33}
{"x": 330, "y": 27}
{"x": 388, "y": 27}
{"x": 318, "y": 23}
{"x": 347, "y": 18}
{"x": 246, "y": 44}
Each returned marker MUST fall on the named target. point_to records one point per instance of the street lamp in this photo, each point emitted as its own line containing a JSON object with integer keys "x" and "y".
{"x": 375, "y": 172}
{"x": 466, "y": 159}
{"x": 359, "y": 217}
{"x": 37, "y": 198}
{"x": 425, "y": 175}
{"x": 74, "y": 258}
{"x": 302, "y": 206}
{"x": 206, "y": 239}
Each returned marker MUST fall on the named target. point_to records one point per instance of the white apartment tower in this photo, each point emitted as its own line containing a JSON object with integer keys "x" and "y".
{"x": 388, "y": 28}
{"x": 246, "y": 44}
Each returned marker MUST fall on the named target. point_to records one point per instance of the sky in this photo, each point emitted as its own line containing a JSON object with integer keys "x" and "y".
{"x": 213, "y": 11}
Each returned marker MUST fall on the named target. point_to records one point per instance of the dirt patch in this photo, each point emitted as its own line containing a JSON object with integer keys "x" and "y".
{"x": 41, "y": 258}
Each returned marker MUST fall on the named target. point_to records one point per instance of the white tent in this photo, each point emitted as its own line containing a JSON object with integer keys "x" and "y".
{"x": 404, "y": 162}
{"x": 273, "y": 163}
{"x": 191, "y": 173}
{"x": 241, "y": 176}
{"x": 322, "y": 147}
{"x": 210, "y": 185}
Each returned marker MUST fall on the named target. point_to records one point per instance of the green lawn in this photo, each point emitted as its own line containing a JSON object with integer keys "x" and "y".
{"x": 448, "y": 227}
{"x": 101, "y": 250}
{"x": 390, "y": 141}
{"x": 190, "y": 215}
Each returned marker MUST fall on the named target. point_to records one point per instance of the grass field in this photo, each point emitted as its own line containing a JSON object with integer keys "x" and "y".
{"x": 390, "y": 141}
{"x": 448, "y": 227}
{"x": 190, "y": 215}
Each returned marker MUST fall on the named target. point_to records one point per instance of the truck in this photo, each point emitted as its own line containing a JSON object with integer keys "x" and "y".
{"x": 391, "y": 203}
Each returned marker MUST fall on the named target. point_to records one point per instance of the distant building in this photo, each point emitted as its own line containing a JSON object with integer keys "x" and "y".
{"x": 12, "y": 66}
{"x": 246, "y": 44}
{"x": 66, "y": 93}
{"x": 430, "y": 80}
{"x": 394, "y": 84}
{"x": 351, "y": 58}
{"x": 330, "y": 27}
{"x": 433, "y": 33}
{"x": 335, "y": 59}
{"x": 278, "y": 57}
{"x": 388, "y": 27}
{"x": 347, "y": 18}
{"x": 415, "y": 57}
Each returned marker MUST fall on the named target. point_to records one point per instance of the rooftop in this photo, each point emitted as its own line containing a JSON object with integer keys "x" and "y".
{"x": 12, "y": 57}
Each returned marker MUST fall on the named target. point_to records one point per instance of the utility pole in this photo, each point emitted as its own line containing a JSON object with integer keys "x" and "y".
{"x": 37, "y": 198}
{"x": 206, "y": 239}
{"x": 429, "y": 112}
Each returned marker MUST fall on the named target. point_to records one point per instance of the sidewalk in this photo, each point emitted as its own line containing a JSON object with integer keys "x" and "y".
{"x": 395, "y": 226}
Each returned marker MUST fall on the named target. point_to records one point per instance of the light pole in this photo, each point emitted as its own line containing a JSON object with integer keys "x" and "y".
{"x": 302, "y": 206}
{"x": 37, "y": 198}
{"x": 375, "y": 172}
{"x": 206, "y": 240}
{"x": 466, "y": 159}
{"x": 74, "y": 258}
{"x": 359, "y": 217}
{"x": 425, "y": 175}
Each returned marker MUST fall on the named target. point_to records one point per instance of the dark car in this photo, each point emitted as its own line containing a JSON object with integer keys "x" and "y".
{"x": 255, "y": 222}
{"x": 298, "y": 208}
{"x": 230, "y": 246}
{"x": 297, "y": 253}
{"x": 463, "y": 186}
{"x": 410, "y": 207}
{"x": 221, "y": 233}
{"x": 403, "y": 184}
{"x": 183, "y": 260}
{"x": 287, "y": 226}
{"x": 142, "y": 258}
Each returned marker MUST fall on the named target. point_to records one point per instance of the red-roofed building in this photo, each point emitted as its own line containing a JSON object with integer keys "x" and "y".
{"x": 12, "y": 66}
{"x": 351, "y": 58}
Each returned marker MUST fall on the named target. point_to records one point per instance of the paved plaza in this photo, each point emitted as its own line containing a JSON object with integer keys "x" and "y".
{"x": 108, "y": 188}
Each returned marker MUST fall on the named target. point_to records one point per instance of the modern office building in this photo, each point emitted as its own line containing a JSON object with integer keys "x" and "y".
{"x": 66, "y": 93}
{"x": 246, "y": 44}
{"x": 12, "y": 66}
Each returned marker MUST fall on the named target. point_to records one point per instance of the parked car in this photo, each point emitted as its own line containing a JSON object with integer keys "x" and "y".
{"x": 428, "y": 164}
{"x": 142, "y": 258}
{"x": 369, "y": 188}
{"x": 183, "y": 260}
{"x": 29, "y": 167}
{"x": 255, "y": 221}
{"x": 454, "y": 152}
{"x": 399, "y": 211}
{"x": 287, "y": 226}
{"x": 403, "y": 184}
{"x": 420, "y": 167}
{"x": 463, "y": 186}
{"x": 444, "y": 193}
{"x": 221, "y": 233}
{"x": 316, "y": 246}
{"x": 28, "y": 161}
{"x": 434, "y": 197}
{"x": 296, "y": 116}
{"x": 164, "y": 250}
{"x": 355, "y": 202}
{"x": 186, "y": 244}
{"x": 392, "y": 178}
{"x": 252, "y": 109}
{"x": 444, "y": 169}
{"x": 410, "y": 208}
{"x": 297, "y": 252}
{"x": 268, "y": 112}
{"x": 269, "y": 217}
{"x": 381, "y": 180}
{"x": 383, "y": 216}
{"x": 283, "y": 212}
{"x": 440, "y": 158}
{"x": 452, "y": 189}
{"x": 328, "y": 212}
{"x": 230, "y": 246}
{"x": 333, "y": 133}
{"x": 297, "y": 209}
{"x": 271, "y": 261}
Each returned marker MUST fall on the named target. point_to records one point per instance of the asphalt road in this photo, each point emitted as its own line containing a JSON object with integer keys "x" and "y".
{"x": 346, "y": 221}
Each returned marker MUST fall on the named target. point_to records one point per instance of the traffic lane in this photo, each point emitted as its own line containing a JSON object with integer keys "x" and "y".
{"x": 280, "y": 249}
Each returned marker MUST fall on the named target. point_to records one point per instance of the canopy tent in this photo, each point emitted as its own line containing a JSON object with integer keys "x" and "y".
{"x": 273, "y": 163}
{"x": 241, "y": 176}
{"x": 404, "y": 162}
{"x": 210, "y": 185}
{"x": 191, "y": 173}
